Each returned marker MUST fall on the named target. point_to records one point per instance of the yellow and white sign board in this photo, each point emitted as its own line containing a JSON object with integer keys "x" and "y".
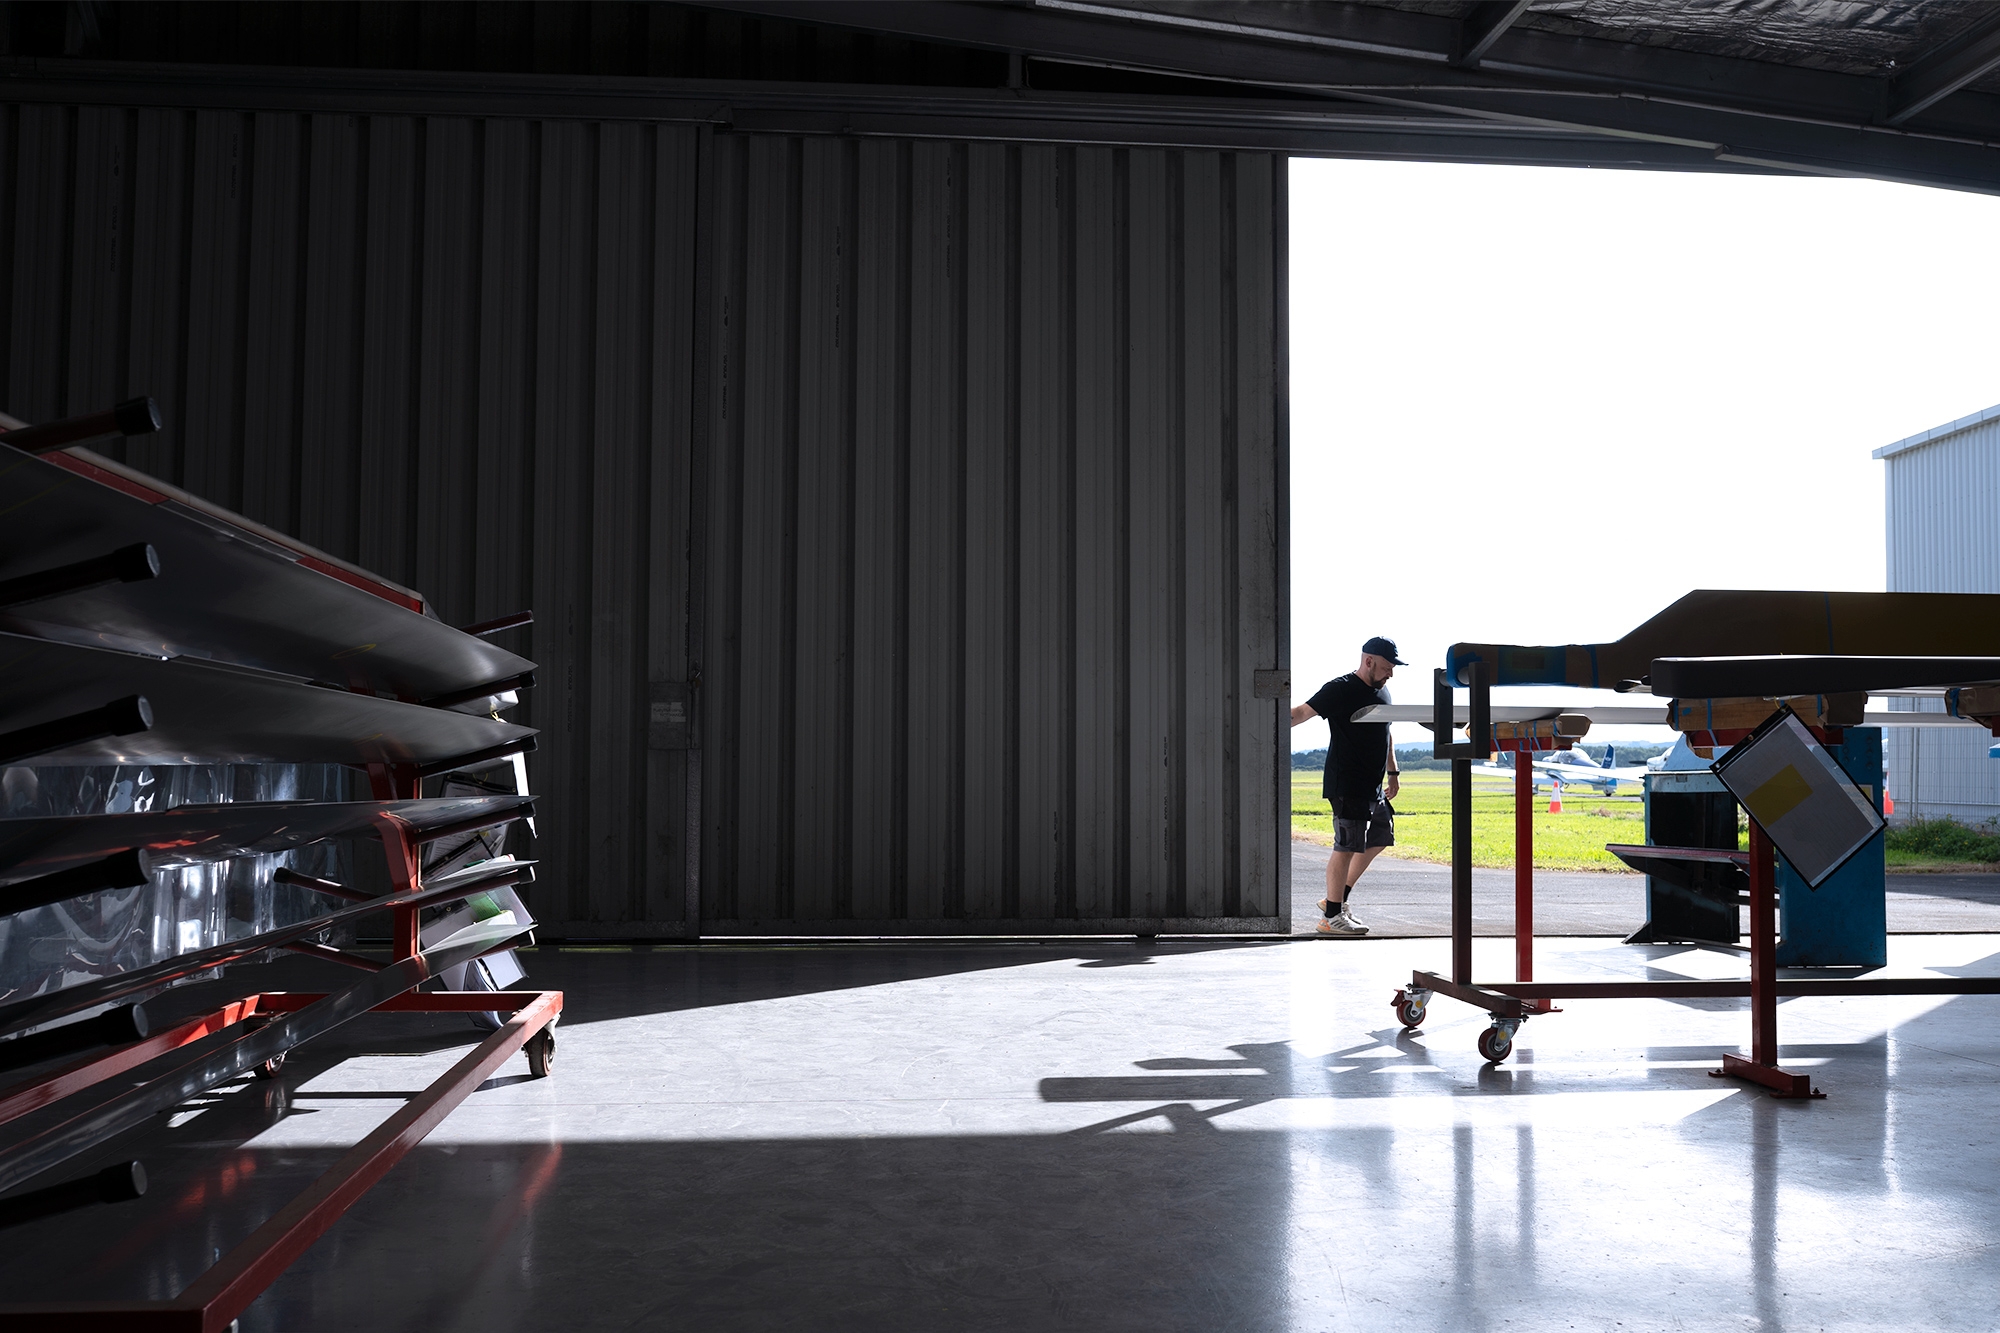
{"x": 1801, "y": 797}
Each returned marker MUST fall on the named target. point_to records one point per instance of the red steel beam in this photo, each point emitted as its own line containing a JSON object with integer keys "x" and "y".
{"x": 1524, "y": 866}
{"x": 227, "y": 1289}
{"x": 1490, "y": 998}
{"x": 1763, "y": 950}
{"x": 1786, "y": 987}
{"x": 414, "y": 1002}
{"x": 214, "y": 1300}
{"x": 89, "y": 1071}
{"x": 74, "y": 1077}
{"x": 1762, "y": 1066}
{"x": 400, "y": 846}
{"x": 1779, "y": 1081}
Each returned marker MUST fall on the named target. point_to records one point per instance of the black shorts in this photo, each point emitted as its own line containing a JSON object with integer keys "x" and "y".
{"x": 1361, "y": 822}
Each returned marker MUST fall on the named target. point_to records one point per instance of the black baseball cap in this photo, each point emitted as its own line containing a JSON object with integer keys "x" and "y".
{"x": 1381, "y": 647}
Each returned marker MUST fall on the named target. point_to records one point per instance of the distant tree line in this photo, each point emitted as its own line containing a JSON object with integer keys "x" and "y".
{"x": 1414, "y": 757}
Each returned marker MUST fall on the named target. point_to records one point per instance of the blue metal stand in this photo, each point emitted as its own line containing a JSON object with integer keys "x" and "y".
{"x": 1844, "y": 922}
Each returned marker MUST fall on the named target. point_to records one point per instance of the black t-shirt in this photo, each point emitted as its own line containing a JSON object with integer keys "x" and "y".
{"x": 1357, "y": 753}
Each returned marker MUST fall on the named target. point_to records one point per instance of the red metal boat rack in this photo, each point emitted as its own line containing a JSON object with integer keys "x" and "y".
{"x": 213, "y": 1301}
{"x": 217, "y": 1297}
{"x": 1510, "y": 1004}
{"x": 258, "y": 650}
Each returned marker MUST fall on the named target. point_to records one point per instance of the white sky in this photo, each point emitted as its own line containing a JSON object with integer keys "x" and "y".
{"x": 1535, "y": 405}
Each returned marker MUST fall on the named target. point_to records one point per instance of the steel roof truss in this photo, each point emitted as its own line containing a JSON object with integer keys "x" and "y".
{"x": 1938, "y": 74}
{"x": 1388, "y": 55}
{"x": 1485, "y": 26}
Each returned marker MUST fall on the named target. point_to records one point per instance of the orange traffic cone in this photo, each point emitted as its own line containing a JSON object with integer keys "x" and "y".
{"x": 1888, "y": 802}
{"x": 1555, "y": 798}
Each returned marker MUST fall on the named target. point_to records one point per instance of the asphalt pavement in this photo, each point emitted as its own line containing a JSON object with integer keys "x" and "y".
{"x": 1413, "y": 898}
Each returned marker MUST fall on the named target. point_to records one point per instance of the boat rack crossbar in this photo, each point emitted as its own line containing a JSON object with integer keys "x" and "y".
{"x": 211, "y": 1303}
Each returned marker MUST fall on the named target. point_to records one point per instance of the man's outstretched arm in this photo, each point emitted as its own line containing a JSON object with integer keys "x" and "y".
{"x": 1303, "y": 713}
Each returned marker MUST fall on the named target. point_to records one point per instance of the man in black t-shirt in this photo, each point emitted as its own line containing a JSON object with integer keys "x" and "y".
{"x": 1357, "y": 757}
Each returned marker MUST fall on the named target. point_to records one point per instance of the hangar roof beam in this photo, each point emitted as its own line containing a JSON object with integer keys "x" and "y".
{"x": 1486, "y": 24}
{"x": 1735, "y": 110}
{"x": 1351, "y": 48}
{"x": 1938, "y": 74}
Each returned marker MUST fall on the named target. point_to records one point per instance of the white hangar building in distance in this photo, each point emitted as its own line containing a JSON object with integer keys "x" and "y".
{"x": 1943, "y": 493}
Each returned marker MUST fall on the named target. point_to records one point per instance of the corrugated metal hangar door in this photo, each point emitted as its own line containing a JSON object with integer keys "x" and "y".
{"x": 993, "y": 539}
{"x": 454, "y": 349}
{"x": 904, "y": 520}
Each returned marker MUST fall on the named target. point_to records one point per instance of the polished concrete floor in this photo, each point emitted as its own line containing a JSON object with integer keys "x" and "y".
{"x": 1101, "y": 1136}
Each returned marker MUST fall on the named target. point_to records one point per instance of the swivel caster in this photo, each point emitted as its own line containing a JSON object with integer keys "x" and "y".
{"x": 1409, "y": 1010}
{"x": 542, "y": 1051}
{"x": 266, "y": 1069}
{"x": 1497, "y": 1042}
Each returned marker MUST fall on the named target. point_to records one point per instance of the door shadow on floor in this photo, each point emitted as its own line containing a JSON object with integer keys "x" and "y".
{"x": 600, "y": 983}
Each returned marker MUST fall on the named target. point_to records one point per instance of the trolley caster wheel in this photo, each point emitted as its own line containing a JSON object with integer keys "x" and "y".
{"x": 268, "y": 1069}
{"x": 1495, "y": 1045}
{"x": 542, "y": 1051}
{"x": 1410, "y": 1006}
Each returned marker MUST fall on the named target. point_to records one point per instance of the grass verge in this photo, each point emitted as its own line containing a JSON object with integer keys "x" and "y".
{"x": 1942, "y": 846}
{"x": 1572, "y": 840}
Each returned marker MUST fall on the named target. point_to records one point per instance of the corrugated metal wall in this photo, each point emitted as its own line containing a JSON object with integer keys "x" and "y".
{"x": 987, "y": 440}
{"x": 992, "y": 496}
{"x": 455, "y": 350}
{"x": 1943, "y": 527}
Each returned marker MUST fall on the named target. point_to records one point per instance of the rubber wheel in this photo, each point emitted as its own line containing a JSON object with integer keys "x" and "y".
{"x": 270, "y": 1067}
{"x": 1409, "y": 1014}
{"x": 1495, "y": 1045}
{"x": 542, "y": 1052}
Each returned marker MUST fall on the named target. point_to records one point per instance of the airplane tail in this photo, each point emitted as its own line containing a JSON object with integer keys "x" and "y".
{"x": 1611, "y": 756}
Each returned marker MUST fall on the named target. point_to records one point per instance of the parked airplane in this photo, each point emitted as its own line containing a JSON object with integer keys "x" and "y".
{"x": 1572, "y": 768}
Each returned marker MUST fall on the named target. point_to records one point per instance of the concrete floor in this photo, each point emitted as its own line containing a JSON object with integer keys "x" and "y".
{"x": 1413, "y": 899}
{"x": 1101, "y": 1136}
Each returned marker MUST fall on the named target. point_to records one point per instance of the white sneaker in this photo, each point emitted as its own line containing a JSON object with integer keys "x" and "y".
{"x": 1341, "y": 925}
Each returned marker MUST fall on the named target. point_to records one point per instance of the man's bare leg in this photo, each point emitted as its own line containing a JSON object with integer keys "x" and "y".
{"x": 1336, "y": 881}
{"x": 1362, "y": 860}
{"x": 1343, "y": 870}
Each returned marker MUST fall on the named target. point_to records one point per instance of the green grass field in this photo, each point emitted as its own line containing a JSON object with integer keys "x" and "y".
{"x": 1943, "y": 845}
{"x": 1946, "y": 865}
{"x": 1572, "y": 840}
